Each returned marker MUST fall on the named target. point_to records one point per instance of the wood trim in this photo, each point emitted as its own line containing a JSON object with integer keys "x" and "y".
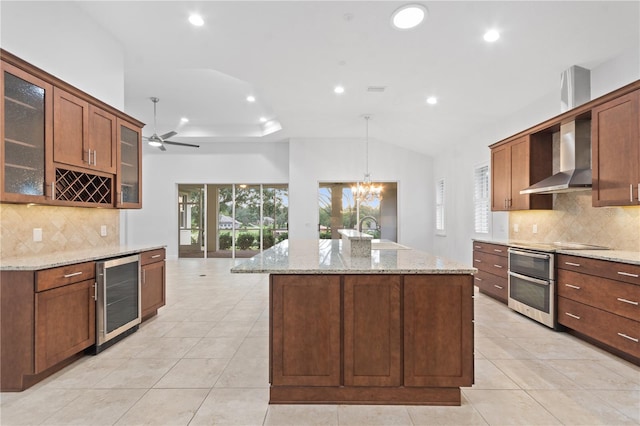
{"x": 364, "y": 395}
{"x": 45, "y": 76}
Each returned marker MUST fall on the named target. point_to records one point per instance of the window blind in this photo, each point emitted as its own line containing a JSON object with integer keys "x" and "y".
{"x": 481, "y": 201}
{"x": 440, "y": 206}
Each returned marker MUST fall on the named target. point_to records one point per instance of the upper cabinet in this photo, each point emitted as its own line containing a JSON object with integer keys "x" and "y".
{"x": 615, "y": 145}
{"x": 26, "y": 136}
{"x": 61, "y": 146}
{"x": 515, "y": 166}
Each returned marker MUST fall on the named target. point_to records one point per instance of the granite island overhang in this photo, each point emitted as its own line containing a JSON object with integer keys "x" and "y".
{"x": 393, "y": 328}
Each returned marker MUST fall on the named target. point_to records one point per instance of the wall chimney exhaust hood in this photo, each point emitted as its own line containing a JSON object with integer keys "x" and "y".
{"x": 575, "y": 139}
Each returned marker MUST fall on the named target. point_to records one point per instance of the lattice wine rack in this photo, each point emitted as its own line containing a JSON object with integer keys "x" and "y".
{"x": 83, "y": 187}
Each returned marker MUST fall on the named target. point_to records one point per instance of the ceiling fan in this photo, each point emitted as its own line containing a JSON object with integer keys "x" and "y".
{"x": 160, "y": 141}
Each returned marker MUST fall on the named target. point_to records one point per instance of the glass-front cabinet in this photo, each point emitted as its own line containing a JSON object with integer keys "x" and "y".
{"x": 26, "y": 136}
{"x": 128, "y": 177}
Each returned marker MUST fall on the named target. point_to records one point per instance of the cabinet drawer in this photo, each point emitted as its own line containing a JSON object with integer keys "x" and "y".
{"x": 57, "y": 277}
{"x": 494, "y": 285}
{"x": 151, "y": 256}
{"x": 613, "y": 296}
{"x": 491, "y": 263}
{"x": 603, "y": 268}
{"x": 496, "y": 249}
{"x": 613, "y": 330}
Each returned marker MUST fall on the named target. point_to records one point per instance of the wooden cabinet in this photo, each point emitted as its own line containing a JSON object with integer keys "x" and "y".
{"x": 371, "y": 338}
{"x": 491, "y": 260}
{"x": 129, "y": 174}
{"x": 615, "y": 144}
{"x": 60, "y": 146}
{"x": 153, "y": 286}
{"x": 601, "y": 300}
{"x": 26, "y": 130}
{"x": 515, "y": 166}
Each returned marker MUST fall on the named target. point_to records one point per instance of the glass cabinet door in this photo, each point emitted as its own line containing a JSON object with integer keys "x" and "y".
{"x": 129, "y": 178}
{"x": 26, "y": 136}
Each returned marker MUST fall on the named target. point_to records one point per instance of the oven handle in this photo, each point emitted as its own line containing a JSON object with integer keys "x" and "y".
{"x": 529, "y": 254}
{"x": 533, "y": 280}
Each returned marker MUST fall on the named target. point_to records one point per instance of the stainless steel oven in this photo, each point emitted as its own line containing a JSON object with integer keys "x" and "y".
{"x": 532, "y": 285}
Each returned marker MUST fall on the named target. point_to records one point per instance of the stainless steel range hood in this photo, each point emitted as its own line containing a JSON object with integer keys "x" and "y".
{"x": 575, "y": 140}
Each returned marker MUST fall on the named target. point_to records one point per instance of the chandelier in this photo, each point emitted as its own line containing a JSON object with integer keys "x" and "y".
{"x": 366, "y": 190}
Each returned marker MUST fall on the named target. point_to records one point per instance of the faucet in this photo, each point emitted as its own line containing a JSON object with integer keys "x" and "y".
{"x": 367, "y": 217}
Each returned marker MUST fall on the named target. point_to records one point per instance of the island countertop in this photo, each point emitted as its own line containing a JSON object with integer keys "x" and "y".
{"x": 326, "y": 257}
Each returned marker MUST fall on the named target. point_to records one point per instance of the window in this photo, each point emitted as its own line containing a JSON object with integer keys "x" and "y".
{"x": 481, "y": 199}
{"x": 440, "y": 207}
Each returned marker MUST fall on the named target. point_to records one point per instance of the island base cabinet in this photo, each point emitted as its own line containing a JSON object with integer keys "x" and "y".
{"x": 370, "y": 338}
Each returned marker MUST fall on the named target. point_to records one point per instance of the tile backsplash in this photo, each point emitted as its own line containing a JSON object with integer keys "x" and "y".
{"x": 63, "y": 229}
{"x": 573, "y": 219}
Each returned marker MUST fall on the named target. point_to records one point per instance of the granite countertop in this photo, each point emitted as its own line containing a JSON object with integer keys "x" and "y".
{"x": 622, "y": 256}
{"x": 326, "y": 257}
{"x": 34, "y": 263}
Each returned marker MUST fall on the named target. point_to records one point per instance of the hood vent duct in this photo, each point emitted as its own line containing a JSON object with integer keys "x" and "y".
{"x": 575, "y": 139}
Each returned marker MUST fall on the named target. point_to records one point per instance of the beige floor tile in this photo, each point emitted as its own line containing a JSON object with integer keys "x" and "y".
{"x": 165, "y": 407}
{"x": 86, "y": 372}
{"x": 245, "y": 373}
{"x": 168, "y": 347}
{"x": 593, "y": 375}
{"x": 137, "y": 373}
{"x": 372, "y": 415}
{"x": 215, "y": 347}
{"x": 36, "y": 406}
{"x": 209, "y": 315}
{"x": 193, "y": 373}
{"x": 302, "y": 415}
{"x": 534, "y": 374}
{"x": 509, "y": 407}
{"x": 501, "y": 348}
{"x": 231, "y": 329}
{"x": 155, "y": 327}
{"x": 558, "y": 347}
{"x": 97, "y": 407}
{"x": 627, "y": 402}
{"x": 465, "y": 414}
{"x": 233, "y": 407}
{"x": 254, "y": 347}
{"x": 488, "y": 376}
{"x": 190, "y": 329}
{"x": 579, "y": 407}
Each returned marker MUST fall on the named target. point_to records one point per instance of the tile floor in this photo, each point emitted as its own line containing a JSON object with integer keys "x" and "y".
{"x": 203, "y": 361}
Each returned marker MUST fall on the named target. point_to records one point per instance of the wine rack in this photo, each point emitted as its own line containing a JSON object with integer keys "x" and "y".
{"x": 83, "y": 187}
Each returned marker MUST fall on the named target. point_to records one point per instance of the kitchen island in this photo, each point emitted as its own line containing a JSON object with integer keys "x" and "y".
{"x": 392, "y": 328}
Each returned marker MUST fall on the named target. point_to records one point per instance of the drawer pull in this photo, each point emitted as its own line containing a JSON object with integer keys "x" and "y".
{"x": 478, "y": 279}
{"x": 627, "y": 274}
{"x": 572, "y": 264}
{"x": 572, "y": 286}
{"x": 628, "y": 337}
{"x": 498, "y": 266}
{"x": 631, "y": 302}
{"x": 155, "y": 256}
{"x": 73, "y": 274}
{"x": 497, "y": 250}
{"x": 498, "y": 286}
{"x": 572, "y": 316}
{"x": 478, "y": 247}
{"x": 477, "y": 260}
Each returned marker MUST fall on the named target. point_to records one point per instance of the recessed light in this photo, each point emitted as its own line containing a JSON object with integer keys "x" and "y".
{"x": 338, "y": 89}
{"x": 408, "y": 16}
{"x": 432, "y": 100}
{"x": 196, "y": 20}
{"x": 263, "y": 120}
{"x": 251, "y": 98}
{"x": 184, "y": 120}
{"x": 491, "y": 36}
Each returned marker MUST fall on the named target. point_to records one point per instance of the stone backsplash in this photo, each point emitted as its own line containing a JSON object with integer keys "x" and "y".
{"x": 63, "y": 229}
{"x": 573, "y": 219}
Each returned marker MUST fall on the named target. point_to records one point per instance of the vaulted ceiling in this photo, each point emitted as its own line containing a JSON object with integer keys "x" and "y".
{"x": 289, "y": 55}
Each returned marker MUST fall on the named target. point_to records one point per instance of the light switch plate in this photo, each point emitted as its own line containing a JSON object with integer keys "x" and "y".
{"x": 37, "y": 234}
{"x": 535, "y": 229}
{"x": 103, "y": 230}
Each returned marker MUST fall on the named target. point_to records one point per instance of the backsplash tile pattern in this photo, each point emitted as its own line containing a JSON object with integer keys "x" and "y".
{"x": 573, "y": 219}
{"x": 63, "y": 229}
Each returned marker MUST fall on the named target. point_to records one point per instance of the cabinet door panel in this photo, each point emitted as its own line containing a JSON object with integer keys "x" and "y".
{"x": 65, "y": 323}
{"x": 129, "y": 175}
{"x": 102, "y": 139}
{"x": 305, "y": 330}
{"x": 372, "y": 344}
{"x": 153, "y": 287}
{"x": 519, "y": 174}
{"x": 438, "y": 330}
{"x": 615, "y": 137}
{"x": 500, "y": 178}
{"x": 70, "y": 129}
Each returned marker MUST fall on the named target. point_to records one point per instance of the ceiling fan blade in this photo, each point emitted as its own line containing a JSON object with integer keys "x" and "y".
{"x": 182, "y": 144}
{"x": 168, "y": 135}
{"x": 162, "y": 148}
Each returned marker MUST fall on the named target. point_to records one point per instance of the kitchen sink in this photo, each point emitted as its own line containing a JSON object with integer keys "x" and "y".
{"x": 387, "y": 245}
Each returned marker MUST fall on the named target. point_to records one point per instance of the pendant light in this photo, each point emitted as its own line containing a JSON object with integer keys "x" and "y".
{"x": 366, "y": 190}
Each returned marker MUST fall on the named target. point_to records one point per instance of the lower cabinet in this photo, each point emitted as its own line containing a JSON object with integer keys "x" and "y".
{"x": 370, "y": 338}
{"x": 493, "y": 264}
{"x": 65, "y": 323}
{"x": 153, "y": 271}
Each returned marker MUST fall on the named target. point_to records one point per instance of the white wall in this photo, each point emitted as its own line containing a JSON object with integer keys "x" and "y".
{"x": 456, "y": 165}
{"x": 62, "y": 40}
{"x": 157, "y": 222}
{"x": 342, "y": 160}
